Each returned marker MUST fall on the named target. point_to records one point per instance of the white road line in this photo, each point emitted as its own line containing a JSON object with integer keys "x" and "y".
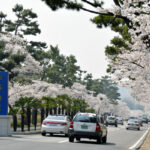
{"x": 135, "y": 145}
{"x": 63, "y": 141}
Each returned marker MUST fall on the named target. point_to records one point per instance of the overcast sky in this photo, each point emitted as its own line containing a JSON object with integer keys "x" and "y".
{"x": 71, "y": 31}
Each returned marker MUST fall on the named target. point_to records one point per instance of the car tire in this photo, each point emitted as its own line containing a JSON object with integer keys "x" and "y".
{"x": 116, "y": 125}
{"x": 138, "y": 128}
{"x": 71, "y": 139}
{"x": 43, "y": 133}
{"x": 51, "y": 134}
{"x": 104, "y": 139}
{"x": 99, "y": 140}
{"x": 78, "y": 139}
{"x": 127, "y": 128}
{"x": 66, "y": 135}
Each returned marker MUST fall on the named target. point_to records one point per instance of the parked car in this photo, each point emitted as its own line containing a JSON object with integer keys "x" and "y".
{"x": 55, "y": 124}
{"x": 120, "y": 120}
{"x": 87, "y": 125}
{"x": 133, "y": 124}
{"x": 111, "y": 120}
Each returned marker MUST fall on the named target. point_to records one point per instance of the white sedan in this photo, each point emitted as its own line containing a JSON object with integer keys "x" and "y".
{"x": 55, "y": 124}
{"x": 133, "y": 124}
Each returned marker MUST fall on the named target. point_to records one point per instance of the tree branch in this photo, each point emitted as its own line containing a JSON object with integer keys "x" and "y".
{"x": 133, "y": 62}
{"x": 92, "y": 4}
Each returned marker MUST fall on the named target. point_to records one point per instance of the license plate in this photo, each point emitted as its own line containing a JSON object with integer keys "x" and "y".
{"x": 84, "y": 127}
{"x": 52, "y": 124}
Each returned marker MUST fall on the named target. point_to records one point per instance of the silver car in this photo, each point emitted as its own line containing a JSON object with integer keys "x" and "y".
{"x": 111, "y": 120}
{"x": 120, "y": 120}
{"x": 133, "y": 124}
{"x": 55, "y": 124}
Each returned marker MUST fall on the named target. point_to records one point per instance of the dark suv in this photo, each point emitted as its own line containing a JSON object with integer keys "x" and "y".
{"x": 87, "y": 125}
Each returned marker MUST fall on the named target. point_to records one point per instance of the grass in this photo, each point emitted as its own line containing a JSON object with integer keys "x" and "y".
{"x": 146, "y": 144}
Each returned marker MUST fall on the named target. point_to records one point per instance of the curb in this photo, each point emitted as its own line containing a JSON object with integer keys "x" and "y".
{"x": 25, "y": 133}
{"x": 141, "y": 143}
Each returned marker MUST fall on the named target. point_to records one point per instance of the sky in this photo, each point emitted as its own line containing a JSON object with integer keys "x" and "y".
{"x": 72, "y": 31}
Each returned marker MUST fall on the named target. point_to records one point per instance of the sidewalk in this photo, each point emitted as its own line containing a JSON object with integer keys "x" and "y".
{"x": 26, "y": 132}
{"x": 146, "y": 144}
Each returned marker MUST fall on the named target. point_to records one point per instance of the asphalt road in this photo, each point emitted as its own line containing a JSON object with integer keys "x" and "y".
{"x": 118, "y": 139}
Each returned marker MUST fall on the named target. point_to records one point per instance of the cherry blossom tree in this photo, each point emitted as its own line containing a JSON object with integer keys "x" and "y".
{"x": 129, "y": 63}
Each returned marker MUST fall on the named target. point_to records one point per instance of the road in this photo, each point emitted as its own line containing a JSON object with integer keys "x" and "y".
{"x": 118, "y": 139}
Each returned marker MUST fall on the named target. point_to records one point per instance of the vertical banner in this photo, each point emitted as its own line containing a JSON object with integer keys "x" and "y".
{"x": 3, "y": 93}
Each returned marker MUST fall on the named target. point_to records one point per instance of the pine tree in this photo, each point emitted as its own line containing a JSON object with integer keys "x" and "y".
{"x": 25, "y": 23}
{"x": 2, "y": 20}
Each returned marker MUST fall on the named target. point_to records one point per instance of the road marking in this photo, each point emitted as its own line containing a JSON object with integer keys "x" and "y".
{"x": 63, "y": 141}
{"x": 135, "y": 145}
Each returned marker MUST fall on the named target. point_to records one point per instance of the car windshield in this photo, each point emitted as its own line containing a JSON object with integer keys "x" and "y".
{"x": 85, "y": 118}
{"x": 56, "y": 117}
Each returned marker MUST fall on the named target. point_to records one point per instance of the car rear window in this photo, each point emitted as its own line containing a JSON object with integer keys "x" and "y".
{"x": 85, "y": 118}
{"x": 132, "y": 121}
{"x": 56, "y": 117}
{"x": 111, "y": 118}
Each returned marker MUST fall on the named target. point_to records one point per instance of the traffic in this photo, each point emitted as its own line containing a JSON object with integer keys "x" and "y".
{"x": 89, "y": 126}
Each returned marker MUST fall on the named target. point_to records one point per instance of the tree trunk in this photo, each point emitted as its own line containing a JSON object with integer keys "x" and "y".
{"x": 15, "y": 122}
{"x": 28, "y": 118}
{"x": 55, "y": 111}
{"x": 42, "y": 114}
{"x": 51, "y": 112}
{"x": 22, "y": 121}
{"x": 63, "y": 110}
{"x": 59, "y": 110}
{"x": 47, "y": 110}
{"x": 34, "y": 118}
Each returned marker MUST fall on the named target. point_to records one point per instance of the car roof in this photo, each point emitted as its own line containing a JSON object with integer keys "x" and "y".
{"x": 57, "y": 115}
{"x": 111, "y": 116}
{"x": 87, "y": 113}
{"x": 132, "y": 120}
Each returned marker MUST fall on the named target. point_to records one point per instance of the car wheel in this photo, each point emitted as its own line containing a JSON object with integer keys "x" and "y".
{"x": 116, "y": 125}
{"x": 43, "y": 133}
{"x": 51, "y": 134}
{"x": 66, "y": 135}
{"x": 138, "y": 128}
{"x": 99, "y": 140}
{"x": 104, "y": 139}
{"x": 71, "y": 139}
{"x": 127, "y": 128}
{"x": 78, "y": 139}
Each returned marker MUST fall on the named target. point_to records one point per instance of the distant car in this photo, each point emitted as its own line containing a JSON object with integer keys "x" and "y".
{"x": 133, "y": 124}
{"x": 55, "y": 124}
{"x": 139, "y": 119}
{"x": 111, "y": 120}
{"x": 87, "y": 125}
{"x": 145, "y": 119}
{"x": 119, "y": 120}
{"x": 132, "y": 117}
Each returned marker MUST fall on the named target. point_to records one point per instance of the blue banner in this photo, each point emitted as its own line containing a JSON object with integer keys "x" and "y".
{"x": 3, "y": 93}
